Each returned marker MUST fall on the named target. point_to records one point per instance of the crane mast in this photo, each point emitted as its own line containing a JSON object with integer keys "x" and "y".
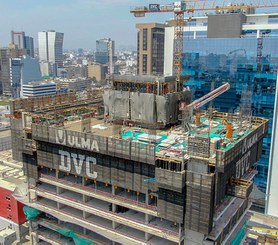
{"x": 178, "y": 44}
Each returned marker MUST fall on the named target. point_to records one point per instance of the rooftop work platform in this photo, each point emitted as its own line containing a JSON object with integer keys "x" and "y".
{"x": 175, "y": 141}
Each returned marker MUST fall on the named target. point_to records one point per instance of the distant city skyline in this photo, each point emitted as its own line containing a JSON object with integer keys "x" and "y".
{"x": 82, "y": 21}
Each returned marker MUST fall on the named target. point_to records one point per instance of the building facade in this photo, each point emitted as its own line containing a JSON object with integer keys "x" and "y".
{"x": 150, "y": 49}
{"x": 18, "y": 38}
{"x": 15, "y": 77}
{"x": 23, "y": 42}
{"x": 105, "y": 48}
{"x": 36, "y": 89}
{"x": 22, "y": 71}
{"x": 245, "y": 54}
{"x": 12, "y": 217}
{"x": 29, "y": 46}
{"x": 97, "y": 71}
{"x": 51, "y": 47}
{"x": 271, "y": 198}
{"x": 6, "y": 54}
{"x": 30, "y": 70}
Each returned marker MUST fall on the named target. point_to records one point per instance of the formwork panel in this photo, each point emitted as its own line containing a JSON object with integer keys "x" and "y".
{"x": 199, "y": 146}
{"x": 143, "y": 107}
{"x": 170, "y": 179}
{"x": 116, "y": 103}
{"x": 199, "y": 202}
{"x": 119, "y": 148}
{"x": 170, "y": 211}
{"x": 143, "y": 152}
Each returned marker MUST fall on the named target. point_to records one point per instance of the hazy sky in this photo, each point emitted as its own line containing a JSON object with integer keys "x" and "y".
{"x": 82, "y": 21}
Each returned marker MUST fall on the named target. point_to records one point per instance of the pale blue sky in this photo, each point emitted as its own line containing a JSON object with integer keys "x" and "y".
{"x": 82, "y": 21}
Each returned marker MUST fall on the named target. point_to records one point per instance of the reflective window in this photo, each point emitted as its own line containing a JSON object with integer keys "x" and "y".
{"x": 242, "y": 62}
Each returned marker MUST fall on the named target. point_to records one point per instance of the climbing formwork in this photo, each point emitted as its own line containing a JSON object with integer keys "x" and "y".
{"x": 153, "y": 183}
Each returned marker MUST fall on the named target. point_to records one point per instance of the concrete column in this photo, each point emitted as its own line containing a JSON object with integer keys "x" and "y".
{"x": 59, "y": 190}
{"x": 86, "y": 214}
{"x": 114, "y": 192}
{"x": 147, "y": 236}
{"x": 84, "y": 231}
{"x": 147, "y": 217}
{"x": 147, "y": 198}
{"x": 34, "y": 239}
{"x": 85, "y": 198}
{"x": 115, "y": 224}
{"x": 182, "y": 242}
{"x": 60, "y": 205}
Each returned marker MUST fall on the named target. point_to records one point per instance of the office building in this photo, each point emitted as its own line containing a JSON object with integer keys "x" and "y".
{"x": 15, "y": 77}
{"x": 29, "y": 46}
{"x": 76, "y": 71}
{"x": 30, "y": 70}
{"x": 237, "y": 48}
{"x": 22, "y": 71}
{"x": 23, "y": 42}
{"x": 105, "y": 53}
{"x": 18, "y": 38}
{"x": 6, "y": 54}
{"x": 150, "y": 49}
{"x": 97, "y": 71}
{"x": 40, "y": 88}
{"x": 272, "y": 186}
{"x": 50, "y": 45}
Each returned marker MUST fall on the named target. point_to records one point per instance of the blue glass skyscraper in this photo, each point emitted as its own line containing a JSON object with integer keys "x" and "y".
{"x": 247, "y": 59}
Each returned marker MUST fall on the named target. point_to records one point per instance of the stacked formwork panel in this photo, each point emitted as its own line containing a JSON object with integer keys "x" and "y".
{"x": 33, "y": 104}
{"x": 171, "y": 194}
{"x": 238, "y": 159}
{"x": 119, "y": 162}
{"x": 146, "y": 109}
{"x": 239, "y": 188}
{"x": 199, "y": 202}
{"x": 16, "y": 134}
{"x": 199, "y": 146}
{"x": 30, "y": 168}
{"x": 23, "y": 148}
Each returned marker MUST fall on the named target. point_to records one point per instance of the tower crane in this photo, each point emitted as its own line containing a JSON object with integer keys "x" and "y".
{"x": 190, "y": 6}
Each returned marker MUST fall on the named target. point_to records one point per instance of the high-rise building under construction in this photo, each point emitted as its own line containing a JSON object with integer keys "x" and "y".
{"x": 134, "y": 175}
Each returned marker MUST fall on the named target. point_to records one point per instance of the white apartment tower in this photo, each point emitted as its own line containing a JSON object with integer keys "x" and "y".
{"x": 51, "y": 47}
